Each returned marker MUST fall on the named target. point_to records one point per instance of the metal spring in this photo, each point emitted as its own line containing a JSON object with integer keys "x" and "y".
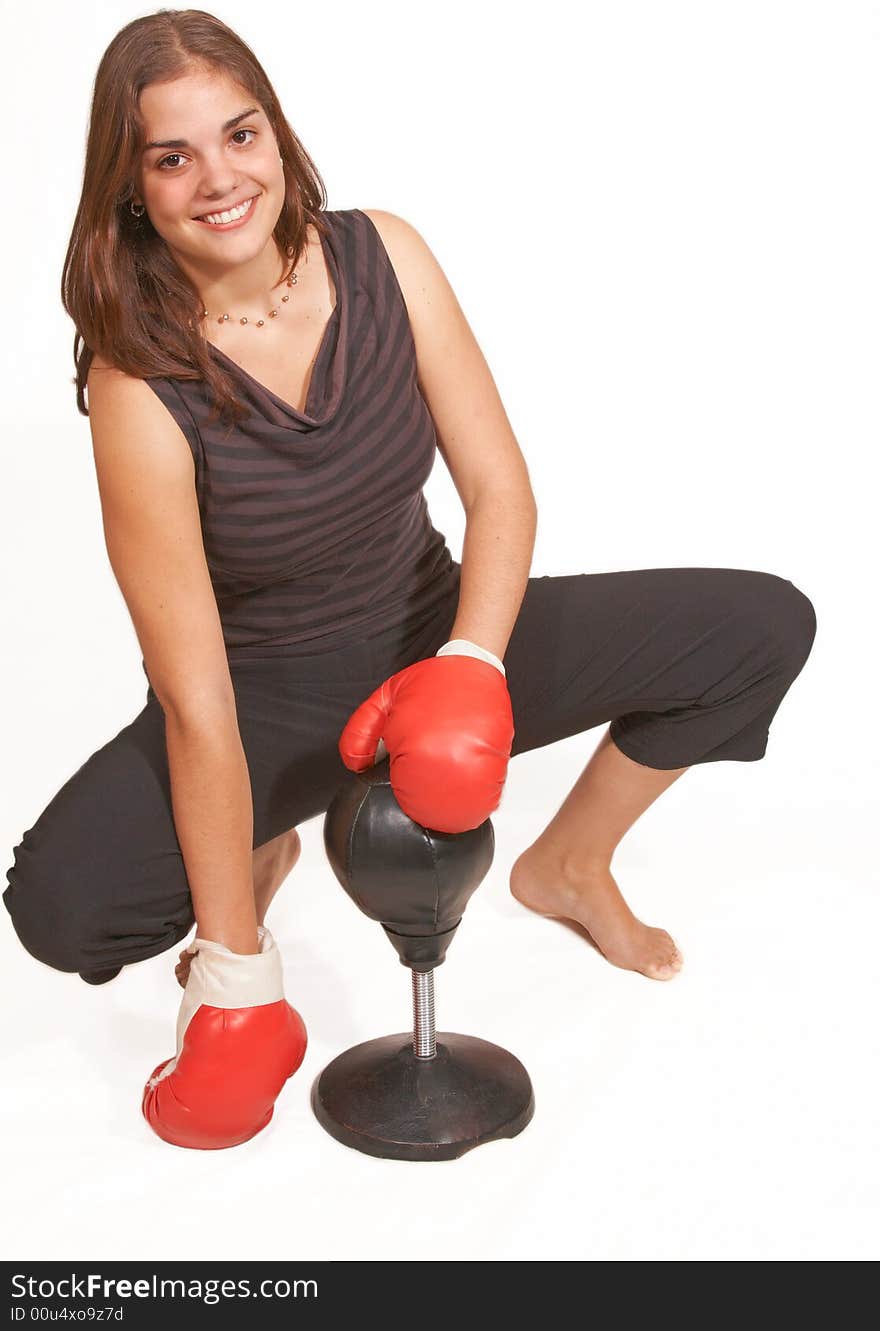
{"x": 424, "y": 1041}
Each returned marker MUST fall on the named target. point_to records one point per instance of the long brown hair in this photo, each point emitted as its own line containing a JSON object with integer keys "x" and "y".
{"x": 127, "y": 297}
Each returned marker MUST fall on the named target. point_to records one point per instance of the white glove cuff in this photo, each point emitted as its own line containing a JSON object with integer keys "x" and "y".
{"x": 221, "y": 978}
{"x": 464, "y": 647}
{"x": 224, "y": 979}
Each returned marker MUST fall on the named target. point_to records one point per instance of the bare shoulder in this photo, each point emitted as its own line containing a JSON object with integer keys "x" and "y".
{"x": 409, "y": 252}
{"x": 389, "y": 223}
{"x": 111, "y": 390}
{"x": 104, "y": 370}
{"x": 108, "y": 385}
{"x": 421, "y": 278}
{"x": 398, "y": 235}
{"x": 131, "y": 427}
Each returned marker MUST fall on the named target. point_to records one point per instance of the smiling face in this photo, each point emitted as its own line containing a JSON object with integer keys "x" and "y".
{"x": 217, "y": 150}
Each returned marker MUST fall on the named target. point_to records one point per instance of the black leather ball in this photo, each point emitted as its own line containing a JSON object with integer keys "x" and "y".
{"x": 415, "y": 881}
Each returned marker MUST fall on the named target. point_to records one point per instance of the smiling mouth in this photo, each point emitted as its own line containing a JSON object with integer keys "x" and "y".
{"x": 227, "y": 215}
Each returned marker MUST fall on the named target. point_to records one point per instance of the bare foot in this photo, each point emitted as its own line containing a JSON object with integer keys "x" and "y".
{"x": 272, "y": 864}
{"x": 270, "y": 873}
{"x": 181, "y": 970}
{"x": 593, "y": 900}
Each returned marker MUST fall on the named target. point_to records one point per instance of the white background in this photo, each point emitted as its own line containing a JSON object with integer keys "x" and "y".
{"x": 662, "y": 224}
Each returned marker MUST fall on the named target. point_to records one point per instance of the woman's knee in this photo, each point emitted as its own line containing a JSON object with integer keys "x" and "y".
{"x": 781, "y": 616}
{"x": 48, "y": 925}
{"x": 792, "y": 618}
{"x": 65, "y": 922}
{"x": 98, "y": 881}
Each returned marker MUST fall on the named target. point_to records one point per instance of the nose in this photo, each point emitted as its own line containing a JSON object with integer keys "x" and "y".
{"x": 217, "y": 181}
{"x": 213, "y": 198}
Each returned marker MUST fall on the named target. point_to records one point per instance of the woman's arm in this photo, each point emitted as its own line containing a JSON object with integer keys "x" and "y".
{"x": 499, "y": 540}
{"x": 153, "y": 536}
{"x": 475, "y": 439}
{"x": 213, "y": 816}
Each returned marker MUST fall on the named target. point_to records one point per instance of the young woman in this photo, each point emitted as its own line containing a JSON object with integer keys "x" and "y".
{"x": 268, "y": 381}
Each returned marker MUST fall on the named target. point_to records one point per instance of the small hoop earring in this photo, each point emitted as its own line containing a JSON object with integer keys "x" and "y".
{"x": 135, "y": 206}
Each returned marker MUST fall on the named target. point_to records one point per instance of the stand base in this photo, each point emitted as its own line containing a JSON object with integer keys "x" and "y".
{"x": 380, "y": 1099}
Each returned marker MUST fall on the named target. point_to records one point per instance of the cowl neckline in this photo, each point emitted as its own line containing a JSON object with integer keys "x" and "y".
{"x": 327, "y": 381}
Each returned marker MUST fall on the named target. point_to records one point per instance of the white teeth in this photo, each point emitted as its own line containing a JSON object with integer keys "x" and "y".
{"x": 229, "y": 216}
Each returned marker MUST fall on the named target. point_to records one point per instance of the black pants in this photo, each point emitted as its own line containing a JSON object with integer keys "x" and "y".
{"x": 688, "y": 664}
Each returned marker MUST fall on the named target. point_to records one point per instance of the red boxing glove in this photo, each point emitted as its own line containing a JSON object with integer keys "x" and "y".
{"x": 447, "y": 723}
{"x": 238, "y": 1041}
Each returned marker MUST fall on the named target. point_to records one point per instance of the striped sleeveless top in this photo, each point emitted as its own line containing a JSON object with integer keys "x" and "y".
{"x": 315, "y": 528}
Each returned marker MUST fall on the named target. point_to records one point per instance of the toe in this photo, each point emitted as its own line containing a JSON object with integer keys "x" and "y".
{"x": 661, "y": 970}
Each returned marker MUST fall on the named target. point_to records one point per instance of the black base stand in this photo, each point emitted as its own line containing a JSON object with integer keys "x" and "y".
{"x": 380, "y": 1098}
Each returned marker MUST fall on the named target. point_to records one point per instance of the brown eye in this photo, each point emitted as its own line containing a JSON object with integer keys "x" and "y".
{"x": 161, "y": 164}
